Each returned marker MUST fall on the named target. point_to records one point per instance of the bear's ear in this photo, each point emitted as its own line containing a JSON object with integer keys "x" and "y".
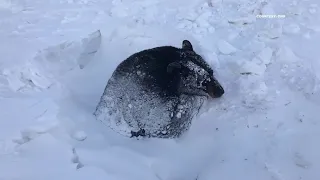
{"x": 172, "y": 66}
{"x": 187, "y": 45}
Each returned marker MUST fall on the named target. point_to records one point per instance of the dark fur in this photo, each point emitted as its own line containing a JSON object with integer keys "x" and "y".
{"x": 166, "y": 80}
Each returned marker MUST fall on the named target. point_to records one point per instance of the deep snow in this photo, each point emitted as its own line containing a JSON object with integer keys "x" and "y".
{"x": 265, "y": 127}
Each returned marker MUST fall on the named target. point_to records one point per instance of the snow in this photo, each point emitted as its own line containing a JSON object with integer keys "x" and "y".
{"x": 226, "y": 48}
{"x": 51, "y": 78}
{"x": 80, "y": 135}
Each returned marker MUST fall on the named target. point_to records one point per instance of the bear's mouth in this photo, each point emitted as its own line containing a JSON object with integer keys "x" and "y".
{"x": 194, "y": 91}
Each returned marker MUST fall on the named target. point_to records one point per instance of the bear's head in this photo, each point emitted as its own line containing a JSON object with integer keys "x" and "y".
{"x": 195, "y": 76}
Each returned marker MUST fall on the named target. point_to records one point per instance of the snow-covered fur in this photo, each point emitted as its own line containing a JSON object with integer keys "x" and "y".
{"x": 157, "y": 92}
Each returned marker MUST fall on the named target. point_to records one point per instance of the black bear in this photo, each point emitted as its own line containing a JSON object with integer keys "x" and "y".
{"x": 156, "y": 92}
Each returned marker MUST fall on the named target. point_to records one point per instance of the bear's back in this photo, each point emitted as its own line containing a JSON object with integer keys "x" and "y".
{"x": 149, "y": 69}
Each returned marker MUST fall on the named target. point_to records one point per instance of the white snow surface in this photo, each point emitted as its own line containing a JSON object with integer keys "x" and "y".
{"x": 265, "y": 127}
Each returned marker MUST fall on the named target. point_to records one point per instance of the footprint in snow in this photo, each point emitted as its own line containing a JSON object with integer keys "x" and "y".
{"x": 75, "y": 159}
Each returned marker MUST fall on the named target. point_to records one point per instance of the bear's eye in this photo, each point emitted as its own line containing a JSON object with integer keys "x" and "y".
{"x": 204, "y": 83}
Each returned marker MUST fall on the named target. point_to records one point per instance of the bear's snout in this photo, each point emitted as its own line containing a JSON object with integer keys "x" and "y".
{"x": 214, "y": 89}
